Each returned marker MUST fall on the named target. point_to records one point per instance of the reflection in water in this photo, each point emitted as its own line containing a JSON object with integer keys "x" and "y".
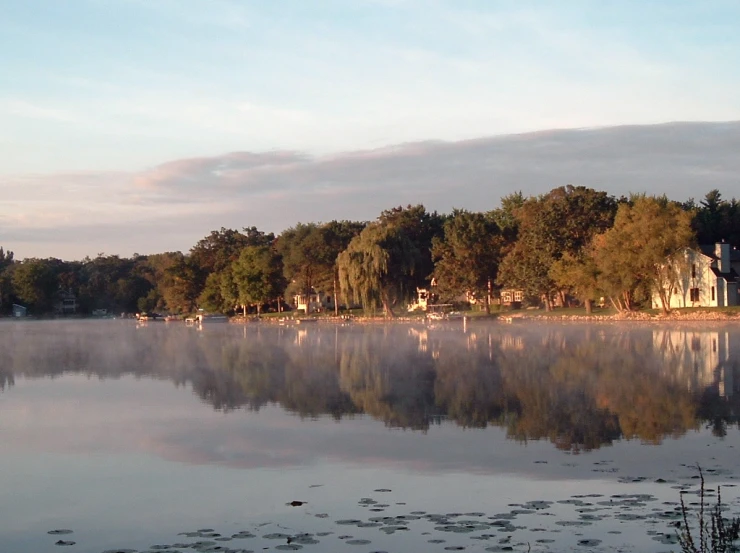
{"x": 578, "y": 387}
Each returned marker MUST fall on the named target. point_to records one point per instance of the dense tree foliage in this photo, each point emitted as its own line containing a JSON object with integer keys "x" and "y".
{"x": 467, "y": 256}
{"x": 258, "y": 276}
{"x": 573, "y": 243}
{"x": 310, "y": 251}
{"x": 631, "y": 257}
{"x": 550, "y": 226}
{"x": 390, "y": 258}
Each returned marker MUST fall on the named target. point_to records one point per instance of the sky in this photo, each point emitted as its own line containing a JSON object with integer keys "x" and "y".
{"x": 140, "y": 125}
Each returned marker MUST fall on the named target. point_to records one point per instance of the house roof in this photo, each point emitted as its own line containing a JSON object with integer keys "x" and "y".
{"x": 709, "y": 249}
{"x": 732, "y": 276}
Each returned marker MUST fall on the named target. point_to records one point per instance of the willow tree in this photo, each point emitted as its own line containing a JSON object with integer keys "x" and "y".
{"x": 634, "y": 255}
{"x": 378, "y": 267}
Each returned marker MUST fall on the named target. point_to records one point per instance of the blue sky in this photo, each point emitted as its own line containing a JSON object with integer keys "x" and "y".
{"x": 107, "y": 89}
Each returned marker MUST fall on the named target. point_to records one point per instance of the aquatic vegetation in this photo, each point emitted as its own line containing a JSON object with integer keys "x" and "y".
{"x": 716, "y": 534}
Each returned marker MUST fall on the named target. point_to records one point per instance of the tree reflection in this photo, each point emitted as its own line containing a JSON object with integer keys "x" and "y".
{"x": 578, "y": 387}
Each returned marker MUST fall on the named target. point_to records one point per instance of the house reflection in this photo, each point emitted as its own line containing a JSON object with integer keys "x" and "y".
{"x": 701, "y": 359}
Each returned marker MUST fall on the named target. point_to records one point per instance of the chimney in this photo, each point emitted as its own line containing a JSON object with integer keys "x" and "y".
{"x": 722, "y": 253}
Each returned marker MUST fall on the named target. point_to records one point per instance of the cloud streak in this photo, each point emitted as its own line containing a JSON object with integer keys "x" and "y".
{"x": 172, "y": 205}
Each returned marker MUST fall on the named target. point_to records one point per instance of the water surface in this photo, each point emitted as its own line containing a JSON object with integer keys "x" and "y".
{"x": 393, "y": 438}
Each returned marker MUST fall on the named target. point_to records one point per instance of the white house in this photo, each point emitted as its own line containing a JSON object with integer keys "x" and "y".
{"x": 314, "y": 302}
{"x": 704, "y": 277}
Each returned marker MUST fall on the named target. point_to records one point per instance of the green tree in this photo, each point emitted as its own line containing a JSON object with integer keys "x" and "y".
{"x": 505, "y": 215}
{"x": 213, "y": 255}
{"x": 561, "y": 221}
{"x": 35, "y": 283}
{"x": 389, "y": 259}
{"x": 258, "y": 276}
{"x": 6, "y": 288}
{"x": 6, "y": 258}
{"x": 467, "y": 258}
{"x": 716, "y": 219}
{"x": 161, "y": 270}
{"x": 378, "y": 267}
{"x": 310, "y": 253}
{"x": 579, "y": 274}
{"x": 634, "y": 255}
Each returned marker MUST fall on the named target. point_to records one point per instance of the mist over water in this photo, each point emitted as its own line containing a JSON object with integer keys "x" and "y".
{"x": 130, "y": 434}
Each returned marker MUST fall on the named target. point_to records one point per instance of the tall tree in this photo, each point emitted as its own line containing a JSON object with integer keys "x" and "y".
{"x": 378, "y": 266}
{"x": 6, "y": 288}
{"x": 634, "y": 255}
{"x": 561, "y": 221}
{"x": 214, "y": 254}
{"x": 35, "y": 283}
{"x": 310, "y": 253}
{"x": 579, "y": 274}
{"x": 258, "y": 276}
{"x": 467, "y": 258}
{"x": 222, "y": 247}
{"x": 6, "y": 258}
{"x": 390, "y": 258}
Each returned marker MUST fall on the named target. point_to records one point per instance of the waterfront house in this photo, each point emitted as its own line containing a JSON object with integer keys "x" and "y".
{"x": 314, "y": 302}
{"x": 65, "y": 303}
{"x": 706, "y": 276}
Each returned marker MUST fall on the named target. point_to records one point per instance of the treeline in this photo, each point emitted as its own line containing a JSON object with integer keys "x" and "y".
{"x": 573, "y": 242}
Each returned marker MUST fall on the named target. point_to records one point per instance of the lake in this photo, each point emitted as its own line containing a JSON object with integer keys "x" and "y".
{"x": 119, "y": 436}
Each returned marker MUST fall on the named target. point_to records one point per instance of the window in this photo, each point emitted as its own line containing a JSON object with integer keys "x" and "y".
{"x": 712, "y": 293}
{"x": 518, "y": 295}
{"x": 694, "y": 294}
{"x": 693, "y": 270}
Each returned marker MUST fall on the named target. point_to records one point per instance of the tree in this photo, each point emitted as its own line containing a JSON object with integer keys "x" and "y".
{"x": 214, "y": 254}
{"x": 467, "y": 258}
{"x": 310, "y": 251}
{"x": 378, "y": 266}
{"x": 578, "y": 273}
{"x": 6, "y": 264}
{"x": 222, "y": 247}
{"x": 6, "y": 258}
{"x": 181, "y": 290}
{"x": 390, "y": 258}
{"x": 35, "y": 282}
{"x": 505, "y": 216}
{"x": 170, "y": 274}
{"x": 717, "y": 219}
{"x": 420, "y": 227}
{"x": 634, "y": 255}
{"x": 561, "y": 221}
{"x": 307, "y": 257}
{"x": 258, "y": 276}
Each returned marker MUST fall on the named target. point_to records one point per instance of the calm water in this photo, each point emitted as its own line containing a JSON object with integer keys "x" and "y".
{"x": 396, "y": 438}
